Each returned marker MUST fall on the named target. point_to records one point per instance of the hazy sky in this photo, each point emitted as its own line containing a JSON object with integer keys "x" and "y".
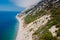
{"x": 25, "y": 3}
{"x": 8, "y": 5}
{"x": 16, "y": 5}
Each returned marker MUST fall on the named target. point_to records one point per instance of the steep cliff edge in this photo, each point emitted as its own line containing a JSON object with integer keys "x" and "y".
{"x": 42, "y": 22}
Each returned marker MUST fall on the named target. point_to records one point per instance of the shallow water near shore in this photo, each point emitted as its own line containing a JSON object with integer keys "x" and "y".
{"x": 8, "y": 25}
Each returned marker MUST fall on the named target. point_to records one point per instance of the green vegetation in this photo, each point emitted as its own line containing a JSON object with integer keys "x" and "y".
{"x": 31, "y": 18}
{"x": 55, "y": 20}
{"x": 44, "y": 34}
{"x": 58, "y": 32}
{"x": 56, "y": 16}
{"x": 47, "y": 36}
{"x": 39, "y": 30}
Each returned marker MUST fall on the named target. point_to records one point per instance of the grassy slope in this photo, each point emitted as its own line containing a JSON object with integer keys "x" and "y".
{"x": 46, "y": 35}
{"x": 31, "y": 18}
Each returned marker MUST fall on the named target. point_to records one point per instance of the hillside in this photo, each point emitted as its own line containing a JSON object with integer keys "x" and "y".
{"x": 55, "y": 20}
{"x": 42, "y": 22}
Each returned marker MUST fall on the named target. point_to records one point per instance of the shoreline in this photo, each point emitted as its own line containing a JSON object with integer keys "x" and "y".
{"x": 20, "y": 33}
{"x": 17, "y": 24}
{"x": 20, "y": 28}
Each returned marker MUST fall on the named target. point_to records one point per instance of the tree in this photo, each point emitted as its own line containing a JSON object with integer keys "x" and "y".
{"x": 47, "y": 36}
{"x": 58, "y": 32}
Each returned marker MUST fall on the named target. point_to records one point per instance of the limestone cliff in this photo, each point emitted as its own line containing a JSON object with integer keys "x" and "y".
{"x": 39, "y": 21}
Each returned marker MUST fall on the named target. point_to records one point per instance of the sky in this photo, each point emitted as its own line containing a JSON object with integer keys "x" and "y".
{"x": 25, "y": 3}
{"x": 7, "y": 5}
{"x": 16, "y": 5}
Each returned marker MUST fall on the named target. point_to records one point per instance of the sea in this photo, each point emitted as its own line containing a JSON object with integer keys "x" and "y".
{"x": 8, "y": 25}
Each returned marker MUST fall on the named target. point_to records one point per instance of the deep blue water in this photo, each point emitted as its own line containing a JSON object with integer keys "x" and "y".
{"x": 8, "y": 25}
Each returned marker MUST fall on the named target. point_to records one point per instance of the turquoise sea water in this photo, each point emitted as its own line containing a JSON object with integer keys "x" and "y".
{"x": 8, "y": 25}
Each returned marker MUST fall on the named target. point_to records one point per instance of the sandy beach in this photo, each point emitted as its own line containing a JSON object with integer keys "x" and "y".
{"x": 19, "y": 34}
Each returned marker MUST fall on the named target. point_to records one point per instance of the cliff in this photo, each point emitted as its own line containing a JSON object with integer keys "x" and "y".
{"x": 40, "y": 22}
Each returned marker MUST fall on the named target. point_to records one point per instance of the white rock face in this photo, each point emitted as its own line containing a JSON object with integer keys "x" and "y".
{"x": 25, "y": 33}
{"x": 53, "y": 29}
